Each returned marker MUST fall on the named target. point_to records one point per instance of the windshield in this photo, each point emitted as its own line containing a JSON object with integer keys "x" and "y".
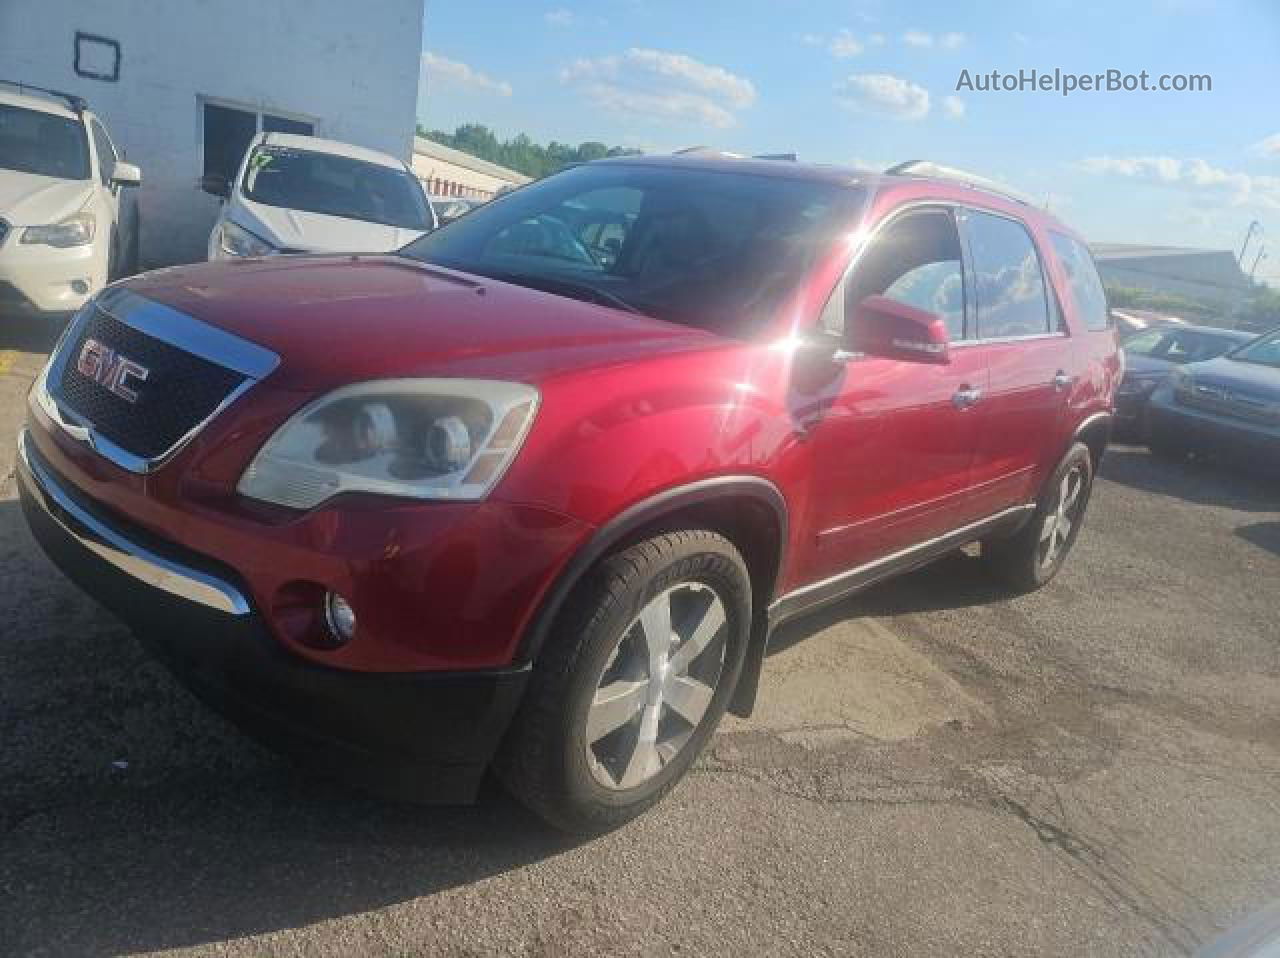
{"x": 335, "y": 185}
{"x": 35, "y": 142}
{"x": 702, "y": 248}
{"x": 1264, "y": 351}
{"x": 1178, "y": 345}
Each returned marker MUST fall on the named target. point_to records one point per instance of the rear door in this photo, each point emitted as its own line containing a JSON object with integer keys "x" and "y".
{"x": 1022, "y": 337}
{"x": 892, "y": 443}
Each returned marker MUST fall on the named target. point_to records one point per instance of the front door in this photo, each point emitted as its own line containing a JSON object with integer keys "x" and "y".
{"x": 893, "y": 440}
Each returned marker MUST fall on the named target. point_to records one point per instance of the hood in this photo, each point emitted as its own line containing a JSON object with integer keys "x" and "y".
{"x": 28, "y": 199}
{"x": 318, "y": 232}
{"x": 335, "y": 320}
{"x": 1251, "y": 378}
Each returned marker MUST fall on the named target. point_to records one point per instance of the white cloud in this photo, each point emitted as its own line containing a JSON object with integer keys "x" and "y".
{"x": 876, "y": 39}
{"x": 813, "y": 39}
{"x": 1268, "y": 147}
{"x": 443, "y": 70}
{"x": 665, "y": 85}
{"x": 884, "y": 93}
{"x": 953, "y": 106}
{"x": 951, "y": 41}
{"x": 917, "y": 38}
{"x": 844, "y": 45}
{"x": 1191, "y": 175}
{"x": 1021, "y": 38}
{"x": 560, "y": 17}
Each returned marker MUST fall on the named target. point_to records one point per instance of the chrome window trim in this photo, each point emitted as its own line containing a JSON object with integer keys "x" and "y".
{"x": 121, "y": 552}
{"x": 994, "y": 340}
{"x": 170, "y": 326}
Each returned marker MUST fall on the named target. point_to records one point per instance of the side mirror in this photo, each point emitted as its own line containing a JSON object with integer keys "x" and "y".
{"x": 126, "y": 174}
{"x": 216, "y": 185}
{"x": 894, "y": 330}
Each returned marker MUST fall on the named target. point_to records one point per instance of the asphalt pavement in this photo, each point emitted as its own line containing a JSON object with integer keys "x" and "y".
{"x": 934, "y": 769}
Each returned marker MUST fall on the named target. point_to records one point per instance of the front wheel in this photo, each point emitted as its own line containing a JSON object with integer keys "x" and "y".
{"x": 1029, "y": 559}
{"x": 634, "y": 679}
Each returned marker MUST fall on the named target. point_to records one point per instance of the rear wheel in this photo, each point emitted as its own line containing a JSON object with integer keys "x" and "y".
{"x": 1029, "y": 559}
{"x": 634, "y": 679}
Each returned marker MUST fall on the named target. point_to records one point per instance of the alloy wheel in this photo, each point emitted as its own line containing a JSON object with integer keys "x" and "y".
{"x": 1055, "y": 532}
{"x": 656, "y": 686}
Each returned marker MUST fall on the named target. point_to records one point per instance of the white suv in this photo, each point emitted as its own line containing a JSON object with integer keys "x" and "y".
{"x": 67, "y": 226}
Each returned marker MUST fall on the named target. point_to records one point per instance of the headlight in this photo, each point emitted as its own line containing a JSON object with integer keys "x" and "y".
{"x": 75, "y": 230}
{"x": 235, "y": 240}
{"x": 418, "y": 438}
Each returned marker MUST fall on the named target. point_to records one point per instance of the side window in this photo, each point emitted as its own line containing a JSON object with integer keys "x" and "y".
{"x": 1086, "y": 285}
{"x": 106, "y": 152}
{"x": 1011, "y": 296}
{"x": 916, "y": 260}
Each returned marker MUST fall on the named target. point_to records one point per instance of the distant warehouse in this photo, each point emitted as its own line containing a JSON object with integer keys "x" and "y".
{"x": 445, "y": 171}
{"x": 1210, "y": 276}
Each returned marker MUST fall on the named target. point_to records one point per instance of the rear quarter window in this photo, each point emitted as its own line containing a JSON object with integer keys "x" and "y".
{"x": 1082, "y": 276}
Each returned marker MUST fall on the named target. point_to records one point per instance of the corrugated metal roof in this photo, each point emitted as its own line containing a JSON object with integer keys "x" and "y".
{"x": 447, "y": 154}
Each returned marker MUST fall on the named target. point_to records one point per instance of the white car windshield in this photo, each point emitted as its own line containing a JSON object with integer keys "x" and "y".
{"x": 42, "y": 143}
{"x": 335, "y": 185}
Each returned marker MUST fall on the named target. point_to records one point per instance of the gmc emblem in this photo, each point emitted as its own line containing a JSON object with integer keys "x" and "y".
{"x": 109, "y": 369}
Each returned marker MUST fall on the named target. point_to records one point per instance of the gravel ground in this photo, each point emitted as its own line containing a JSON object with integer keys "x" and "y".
{"x": 934, "y": 769}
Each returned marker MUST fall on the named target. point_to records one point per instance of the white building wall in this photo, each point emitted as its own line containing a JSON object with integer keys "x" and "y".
{"x": 351, "y": 67}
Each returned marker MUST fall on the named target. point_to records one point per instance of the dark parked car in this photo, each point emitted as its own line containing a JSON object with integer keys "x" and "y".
{"x": 1152, "y": 355}
{"x": 491, "y": 501}
{"x": 1226, "y": 405}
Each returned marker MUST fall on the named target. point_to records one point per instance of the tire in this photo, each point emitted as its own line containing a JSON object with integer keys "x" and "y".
{"x": 131, "y": 258}
{"x": 598, "y": 665}
{"x": 1031, "y": 557}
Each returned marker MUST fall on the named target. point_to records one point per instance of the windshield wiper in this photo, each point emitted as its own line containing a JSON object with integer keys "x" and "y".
{"x": 567, "y": 287}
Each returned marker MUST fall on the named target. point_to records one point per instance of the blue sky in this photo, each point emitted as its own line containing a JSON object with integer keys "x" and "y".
{"x": 873, "y": 82}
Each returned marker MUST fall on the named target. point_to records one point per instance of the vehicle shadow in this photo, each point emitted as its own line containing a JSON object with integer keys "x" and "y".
{"x": 1206, "y": 482}
{"x": 956, "y": 581}
{"x": 132, "y": 819}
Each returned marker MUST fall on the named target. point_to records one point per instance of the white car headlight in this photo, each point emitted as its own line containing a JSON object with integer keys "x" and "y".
{"x": 417, "y": 438}
{"x": 235, "y": 240}
{"x": 76, "y": 230}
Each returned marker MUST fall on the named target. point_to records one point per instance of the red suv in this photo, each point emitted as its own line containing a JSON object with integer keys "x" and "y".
{"x": 532, "y": 492}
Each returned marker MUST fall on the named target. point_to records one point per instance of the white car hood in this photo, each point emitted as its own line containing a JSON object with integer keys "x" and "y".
{"x": 317, "y": 232}
{"x": 28, "y": 199}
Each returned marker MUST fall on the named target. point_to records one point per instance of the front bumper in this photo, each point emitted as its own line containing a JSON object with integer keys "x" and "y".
{"x": 413, "y": 735}
{"x": 1200, "y": 430}
{"x": 37, "y": 280}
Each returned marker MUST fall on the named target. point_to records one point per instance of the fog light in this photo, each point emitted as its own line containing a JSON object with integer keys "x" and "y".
{"x": 79, "y": 287}
{"x": 340, "y": 617}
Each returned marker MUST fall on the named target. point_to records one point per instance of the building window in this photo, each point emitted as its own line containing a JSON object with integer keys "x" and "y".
{"x": 228, "y": 130}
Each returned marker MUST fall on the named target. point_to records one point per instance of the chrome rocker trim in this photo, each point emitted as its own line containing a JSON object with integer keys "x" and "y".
{"x": 808, "y": 597}
{"x": 116, "y": 549}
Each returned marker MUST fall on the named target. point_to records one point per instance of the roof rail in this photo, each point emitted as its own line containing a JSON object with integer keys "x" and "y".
{"x": 77, "y": 103}
{"x": 785, "y": 157}
{"x": 938, "y": 172}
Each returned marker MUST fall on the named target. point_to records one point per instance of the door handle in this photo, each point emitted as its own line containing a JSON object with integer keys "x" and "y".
{"x": 1061, "y": 381}
{"x": 966, "y": 396}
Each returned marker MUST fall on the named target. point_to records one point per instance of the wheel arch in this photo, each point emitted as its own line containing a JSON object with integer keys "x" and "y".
{"x": 748, "y": 510}
{"x": 1095, "y": 432}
